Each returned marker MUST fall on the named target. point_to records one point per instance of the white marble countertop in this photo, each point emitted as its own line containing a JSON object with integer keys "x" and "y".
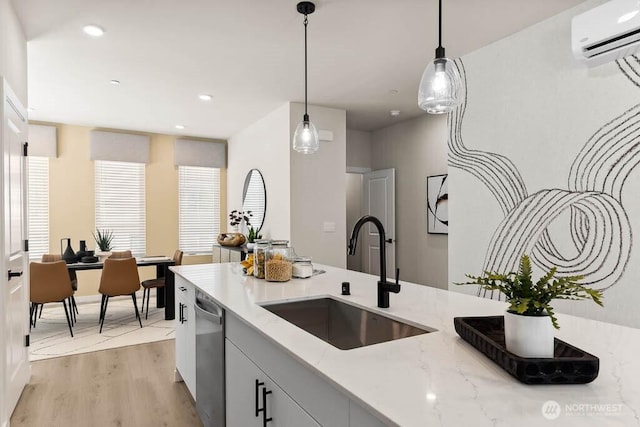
{"x": 436, "y": 378}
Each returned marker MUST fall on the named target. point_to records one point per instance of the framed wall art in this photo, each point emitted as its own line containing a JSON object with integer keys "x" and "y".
{"x": 437, "y": 204}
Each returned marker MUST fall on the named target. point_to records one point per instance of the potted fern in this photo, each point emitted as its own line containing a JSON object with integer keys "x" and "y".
{"x": 529, "y": 321}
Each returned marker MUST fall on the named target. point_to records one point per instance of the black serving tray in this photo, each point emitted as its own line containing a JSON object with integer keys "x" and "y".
{"x": 569, "y": 364}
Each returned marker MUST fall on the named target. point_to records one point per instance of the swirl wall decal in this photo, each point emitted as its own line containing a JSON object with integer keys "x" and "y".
{"x": 599, "y": 228}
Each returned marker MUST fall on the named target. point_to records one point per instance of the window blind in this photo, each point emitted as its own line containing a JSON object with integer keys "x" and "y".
{"x": 38, "y": 206}
{"x": 199, "y": 208}
{"x": 120, "y": 204}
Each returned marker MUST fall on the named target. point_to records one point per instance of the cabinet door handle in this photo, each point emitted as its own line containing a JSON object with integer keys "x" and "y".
{"x": 265, "y": 420}
{"x": 181, "y": 316}
{"x": 11, "y": 274}
{"x": 258, "y": 384}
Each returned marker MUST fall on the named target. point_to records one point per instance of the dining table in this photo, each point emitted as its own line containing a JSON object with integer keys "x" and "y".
{"x": 165, "y": 296}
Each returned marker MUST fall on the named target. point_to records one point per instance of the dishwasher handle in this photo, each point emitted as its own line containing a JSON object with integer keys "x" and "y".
{"x": 212, "y": 317}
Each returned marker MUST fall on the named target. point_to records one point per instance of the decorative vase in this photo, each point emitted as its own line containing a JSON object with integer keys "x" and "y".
{"x": 528, "y": 336}
{"x": 68, "y": 255}
{"x": 250, "y": 246}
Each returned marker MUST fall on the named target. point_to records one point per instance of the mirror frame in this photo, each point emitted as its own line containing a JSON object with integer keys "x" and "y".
{"x": 247, "y": 182}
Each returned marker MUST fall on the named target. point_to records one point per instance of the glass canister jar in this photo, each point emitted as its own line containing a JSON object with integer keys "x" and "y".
{"x": 278, "y": 261}
{"x": 259, "y": 257}
{"x": 301, "y": 267}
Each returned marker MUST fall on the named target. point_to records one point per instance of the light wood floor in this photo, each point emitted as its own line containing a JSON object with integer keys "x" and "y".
{"x": 127, "y": 386}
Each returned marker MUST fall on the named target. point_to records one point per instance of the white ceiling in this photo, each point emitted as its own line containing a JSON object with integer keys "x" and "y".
{"x": 248, "y": 54}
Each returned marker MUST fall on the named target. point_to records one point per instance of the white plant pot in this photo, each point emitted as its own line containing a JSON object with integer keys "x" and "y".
{"x": 529, "y": 336}
{"x": 102, "y": 255}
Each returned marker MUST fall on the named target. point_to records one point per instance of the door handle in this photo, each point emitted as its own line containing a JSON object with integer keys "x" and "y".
{"x": 389, "y": 240}
{"x": 265, "y": 420}
{"x": 14, "y": 274}
{"x": 258, "y": 385}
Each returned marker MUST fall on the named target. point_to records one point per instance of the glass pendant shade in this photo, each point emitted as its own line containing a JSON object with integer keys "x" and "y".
{"x": 440, "y": 87}
{"x": 305, "y": 139}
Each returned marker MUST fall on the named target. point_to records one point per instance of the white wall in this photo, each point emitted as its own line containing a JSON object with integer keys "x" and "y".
{"x": 533, "y": 115}
{"x": 318, "y": 189}
{"x": 303, "y": 191}
{"x": 13, "y": 51}
{"x": 416, "y": 149}
{"x": 265, "y": 146}
{"x": 358, "y": 149}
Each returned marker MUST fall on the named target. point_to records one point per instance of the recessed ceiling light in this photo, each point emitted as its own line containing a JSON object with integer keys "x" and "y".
{"x": 115, "y": 82}
{"x": 93, "y": 30}
{"x": 31, "y": 109}
{"x": 394, "y": 113}
{"x": 180, "y": 126}
{"x": 393, "y": 91}
{"x": 205, "y": 97}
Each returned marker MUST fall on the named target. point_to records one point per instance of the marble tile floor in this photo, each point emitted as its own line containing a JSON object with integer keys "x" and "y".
{"x": 50, "y": 338}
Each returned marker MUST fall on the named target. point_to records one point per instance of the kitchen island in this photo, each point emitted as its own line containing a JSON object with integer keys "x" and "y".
{"x": 434, "y": 378}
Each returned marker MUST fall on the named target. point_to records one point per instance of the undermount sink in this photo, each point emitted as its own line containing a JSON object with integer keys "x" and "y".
{"x": 343, "y": 325}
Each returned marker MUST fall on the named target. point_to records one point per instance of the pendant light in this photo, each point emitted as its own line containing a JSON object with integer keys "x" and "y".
{"x": 440, "y": 86}
{"x": 305, "y": 139}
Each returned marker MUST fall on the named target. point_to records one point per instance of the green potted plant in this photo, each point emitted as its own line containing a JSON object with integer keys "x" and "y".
{"x": 529, "y": 321}
{"x": 103, "y": 240}
{"x": 252, "y": 237}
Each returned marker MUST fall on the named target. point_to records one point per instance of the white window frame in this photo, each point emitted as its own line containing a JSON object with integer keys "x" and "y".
{"x": 38, "y": 206}
{"x": 120, "y": 204}
{"x": 198, "y": 208}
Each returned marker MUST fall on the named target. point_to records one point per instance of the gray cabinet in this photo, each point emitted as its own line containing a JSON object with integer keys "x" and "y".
{"x": 254, "y": 399}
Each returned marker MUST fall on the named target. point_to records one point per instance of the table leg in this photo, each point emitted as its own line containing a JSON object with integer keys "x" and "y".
{"x": 169, "y": 296}
{"x": 160, "y": 299}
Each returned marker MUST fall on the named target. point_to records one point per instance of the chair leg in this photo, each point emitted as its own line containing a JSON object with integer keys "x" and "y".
{"x": 135, "y": 304}
{"x": 41, "y": 307}
{"x": 72, "y": 312}
{"x": 104, "y": 311}
{"x": 32, "y": 309}
{"x": 144, "y": 294}
{"x": 75, "y": 306}
{"x": 35, "y": 313}
{"x": 146, "y": 316}
{"x": 102, "y": 308}
{"x": 66, "y": 312}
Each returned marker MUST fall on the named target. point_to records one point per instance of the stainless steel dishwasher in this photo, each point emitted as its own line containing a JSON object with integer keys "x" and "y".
{"x": 210, "y": 393}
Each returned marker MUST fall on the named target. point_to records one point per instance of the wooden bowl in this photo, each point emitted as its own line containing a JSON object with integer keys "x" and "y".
{"x": 231, "y": 239}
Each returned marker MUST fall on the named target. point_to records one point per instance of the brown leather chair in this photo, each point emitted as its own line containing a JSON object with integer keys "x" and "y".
{"x": 49, "y": 282}
{"x": 157, "y": 283}
{"x": 74, "y": 284}
{"x": 120, "y": 254}
{"x": 119, "y": 277}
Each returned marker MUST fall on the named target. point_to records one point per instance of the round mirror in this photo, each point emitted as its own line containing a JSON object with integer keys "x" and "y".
{"x": 254, "y": 198}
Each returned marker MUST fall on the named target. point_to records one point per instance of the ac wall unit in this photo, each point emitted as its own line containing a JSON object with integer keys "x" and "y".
{"x": 607, "y": 32}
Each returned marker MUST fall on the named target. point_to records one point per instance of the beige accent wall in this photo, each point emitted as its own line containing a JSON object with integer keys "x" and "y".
{"x": 13, "y": 51}
{"x": 72, "y": 195}
{"x": 416, "y": 148}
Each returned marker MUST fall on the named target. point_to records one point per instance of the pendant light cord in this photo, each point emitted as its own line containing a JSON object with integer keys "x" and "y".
{"x": 306, "y": 115}
{"x": 440, "y": 24}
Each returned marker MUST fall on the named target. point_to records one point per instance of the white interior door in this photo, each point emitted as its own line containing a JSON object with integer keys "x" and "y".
{"x": 380, "y": 201}
{"x": 16, "y": 292}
